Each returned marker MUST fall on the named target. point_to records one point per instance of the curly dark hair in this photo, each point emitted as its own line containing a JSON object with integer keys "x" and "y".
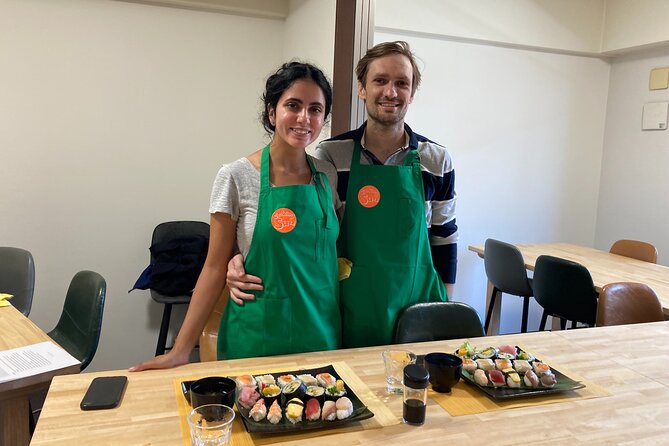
{"x": 284, "y": 77}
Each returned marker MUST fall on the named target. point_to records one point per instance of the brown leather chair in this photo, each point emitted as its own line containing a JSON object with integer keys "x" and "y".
{"x": 623, "y": 303}
{"x": 635, "y": 249}
{"x": 209, "y": 336}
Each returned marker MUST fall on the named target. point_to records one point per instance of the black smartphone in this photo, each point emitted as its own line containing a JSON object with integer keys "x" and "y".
{"x": 105, "y": 392}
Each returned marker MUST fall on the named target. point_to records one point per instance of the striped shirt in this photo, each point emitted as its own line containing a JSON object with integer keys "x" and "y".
{"x": 438, "y": 182}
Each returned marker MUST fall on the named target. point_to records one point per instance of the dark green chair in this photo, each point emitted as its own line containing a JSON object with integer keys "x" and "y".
{"x": 436, "y": 321}
{"x": 80, "y": 323}
{"x": 17, "y": 277}
{"x": 564, "y": 289}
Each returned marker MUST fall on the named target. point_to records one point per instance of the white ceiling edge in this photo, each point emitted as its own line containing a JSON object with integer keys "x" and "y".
{"x": 268, "y": 9}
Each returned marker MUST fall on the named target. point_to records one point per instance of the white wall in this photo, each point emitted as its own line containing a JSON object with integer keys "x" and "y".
{"x": 634, "y": 193}
{"x": 114, "y": 117}
{"x": 635, "y": 23}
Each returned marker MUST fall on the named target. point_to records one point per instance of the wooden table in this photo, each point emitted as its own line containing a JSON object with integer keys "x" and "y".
{"x": 604, "y": 268}
{"x": 16, "y": 330}
{"x": 630, "y": 362}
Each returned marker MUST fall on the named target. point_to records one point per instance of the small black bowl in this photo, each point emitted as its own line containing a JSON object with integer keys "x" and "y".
{"x": 445, "y": 370}
{"x": 211, "y": 390}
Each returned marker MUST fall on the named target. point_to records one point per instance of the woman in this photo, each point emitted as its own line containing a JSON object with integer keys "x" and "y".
{"x": 277, "y": 207}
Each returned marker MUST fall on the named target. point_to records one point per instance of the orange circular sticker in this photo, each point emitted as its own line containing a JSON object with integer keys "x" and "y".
{"x": 369, "y": 196}
{"x": 284, "y": 220}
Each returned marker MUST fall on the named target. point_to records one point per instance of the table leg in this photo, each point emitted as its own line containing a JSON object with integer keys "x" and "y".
{"x": 14, "y": 421}
{"x": 493, "y": 328}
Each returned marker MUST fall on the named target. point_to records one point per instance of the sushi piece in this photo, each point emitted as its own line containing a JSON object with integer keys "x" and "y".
{"x": 296, "y": 389}
{"x": 245, "y": 381}
{"x": 308, "y": 380}
{"x": 466, "y": 350}
{"x": 548, "y": 380}
{"x": 335, "y": 392}
{"x": 501, "y": 364}
{"x": 509, "y": 349}
{"x": 513, "y": 380}
{"x": 248, "y": 397}
{"x": 294, "y": 410}
{"x": 531, "y": 379}
{"x": 506, "y": 356}
{"x": 315, "y": 392}
{"x": 485, "y": 364}
{"x": 487, "y": 353}
{"x": 469, "y": 365}
{"x": 480, "y": 378}
{"x": 521, "y": 366}
{"x": 326, "y": 380}
{"x": 270, "y": 393}
{"x": 496, "y": 378}
{"x": 344, "y": 408}
{"x": 540, "y": 368}
{"x": 259, "y": 410}
{"x": 274, "y": 413}
{"x": 264, "y": 381}
{"x": 522, "y": 354}
{"x": 313, "y": 410}
{"x": 284, "y": 380}
{"x": 329, "y": 411}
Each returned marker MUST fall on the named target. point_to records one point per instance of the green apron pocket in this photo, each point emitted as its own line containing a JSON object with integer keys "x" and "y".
{"x": 277, "y": 325}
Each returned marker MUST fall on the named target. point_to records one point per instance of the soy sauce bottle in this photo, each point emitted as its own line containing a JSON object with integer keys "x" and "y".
{"x": 416, "y": 380}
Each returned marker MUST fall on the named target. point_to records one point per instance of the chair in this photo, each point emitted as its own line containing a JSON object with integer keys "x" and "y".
{"x": 80, "y": 323}
{"x": 209, "y": 337}
{"x": 435, "y": 321}
{"x": 506, "y": 271}
{"x": 17, "y": 277}
{"x": 635, "y": 249}
{"x": 623, "y": 303}
{"x": 169, "y": 232}
{"x": 565, "y": 290}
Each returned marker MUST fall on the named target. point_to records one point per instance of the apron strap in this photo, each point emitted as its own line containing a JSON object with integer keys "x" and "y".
{"x": 264, "y": 170}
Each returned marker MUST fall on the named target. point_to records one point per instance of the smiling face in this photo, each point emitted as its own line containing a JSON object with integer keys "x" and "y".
{"x": 387, "y": 90}
{"x": 299, "y": 114}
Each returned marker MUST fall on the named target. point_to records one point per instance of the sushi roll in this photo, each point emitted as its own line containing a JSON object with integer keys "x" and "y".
{"x": 245, "y": 381}
{"x": 508, "y": 349}
{"x": 513, "y": 380}
{"x": 521, "y": 366}
{"x": 522, "y": 354}
{"x": 294, "y": 410}
{"x": 465, "y": 351}
{"x": 530, "y": 379}
{"x": 501, "y": 364}
{"x": 274, "y": 413}
{"x": 496, "y": 378}
{"x": 548, "y": 380}
{"x": 469, "y": 365}
{"x": 480, "y": 378}
{"x": 335, "y": 392}
{"x": 259, "y": 410}
{"x": 329, "y": 411}
{"x": 296, "y": 389}
{"x": 540, "y": 368}
{"x": 270, "y": 393}
{"x": 315, "y": 392}
{"x": 308, "y": 380}
{"x": 248, "y": 397}
{"x": 506, "y": 356}
{"x": 264, "y": 381}
{"x": 326, "y": 380}
{"x": 344, "y": 408}
{"x": 284, "y": 380}
{"x": 485, "y": 364}
{"x": 487, "y": 353}
{"x": 313, "y": 410}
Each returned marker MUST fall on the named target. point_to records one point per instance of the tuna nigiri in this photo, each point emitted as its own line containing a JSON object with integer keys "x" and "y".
{"x": 313, "y": 410}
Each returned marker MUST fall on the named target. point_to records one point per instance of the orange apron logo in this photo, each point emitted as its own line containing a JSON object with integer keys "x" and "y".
{"x": 369, "y": 196}
{"x": 284, "y": 220}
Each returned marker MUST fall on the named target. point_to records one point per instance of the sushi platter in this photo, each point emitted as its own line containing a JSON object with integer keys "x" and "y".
{"x": 510, "y": 372}
{"x": 297, "y": 400}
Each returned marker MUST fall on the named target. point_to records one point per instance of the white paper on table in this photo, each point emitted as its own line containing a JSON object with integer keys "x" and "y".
{"x": 32, "y": 360}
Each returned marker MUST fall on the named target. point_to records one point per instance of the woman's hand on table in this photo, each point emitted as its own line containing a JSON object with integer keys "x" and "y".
{"x": 166, "y": 361}
{"x": 238, "y": 280}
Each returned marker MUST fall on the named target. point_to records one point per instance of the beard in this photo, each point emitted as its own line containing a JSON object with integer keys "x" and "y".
{"x": 386, "y": 119}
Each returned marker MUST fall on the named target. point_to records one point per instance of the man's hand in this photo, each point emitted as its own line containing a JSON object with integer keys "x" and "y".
{"x": 238, "y": 280}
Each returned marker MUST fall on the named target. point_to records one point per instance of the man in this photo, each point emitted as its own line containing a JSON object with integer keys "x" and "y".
{"x": 398, "y": 227}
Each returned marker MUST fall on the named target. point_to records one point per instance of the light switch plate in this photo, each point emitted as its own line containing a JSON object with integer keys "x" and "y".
{"x": 654, "y": 116}
{"x": 659, "y": 79}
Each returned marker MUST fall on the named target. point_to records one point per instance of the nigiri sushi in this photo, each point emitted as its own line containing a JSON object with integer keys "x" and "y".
{"x": 521, "y": 366}
{"x": 258, "y": 411}
{"x": 344, "y": 408}
{"x": 248, "y": 397}
{"x": 274, "y": 414}
{"x": 513, "y": 380}
{"x": 294, "y": 410}
{"x": 313, "y": 410}
{"x": 548, "y": 380}
{"x": 507, "y": 348}
{"x": 326, "y": 380}
{"x": 480, "y": 378}
{"x": 485, "y": 364}
{"x": 540, "y": 368}
{"x": 329, "y": 411}
{"x": 469, "y": 365}
{"x": 530, "y": 379}
{"x": 496, "y": 378}
{"x": 501, "y": 364}
{"x": 245, "y": 381}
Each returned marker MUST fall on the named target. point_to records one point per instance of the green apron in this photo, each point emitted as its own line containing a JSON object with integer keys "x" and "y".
{"x": 294, "y": 251}
{"x": 385, "y": 236}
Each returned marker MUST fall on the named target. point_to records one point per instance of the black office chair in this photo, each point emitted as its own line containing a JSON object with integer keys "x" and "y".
{"x": 565, "y": 290}
{"x": 506, "y": 271}
{"x": 17, "y": 277}
{"x": 183, "y": 247}
{"x": 436, "y": 321}
{"x": 78, "y": 329}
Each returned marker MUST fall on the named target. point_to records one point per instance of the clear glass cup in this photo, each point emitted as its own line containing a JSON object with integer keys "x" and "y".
{"x": 211, "y": 425}
{"x": 394, "y": 362}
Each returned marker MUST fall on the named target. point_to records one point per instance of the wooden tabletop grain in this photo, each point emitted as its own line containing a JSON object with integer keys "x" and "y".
{"x": 630, "y": 362}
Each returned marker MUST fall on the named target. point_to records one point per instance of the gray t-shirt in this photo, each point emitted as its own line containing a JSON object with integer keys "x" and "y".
{"x": 237, "y": 188}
